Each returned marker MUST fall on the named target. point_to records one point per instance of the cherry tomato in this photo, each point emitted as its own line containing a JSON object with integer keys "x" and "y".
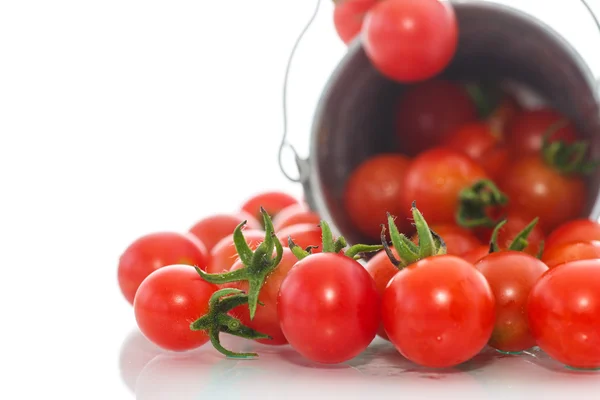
{"x": 429, "y": 111}
{"x": 382, "y": 271}
{"x": 438, "y": 312}
{"x": 579, "y": 230}
{"x": 348, "y": 16}
{"x": 167, "y": 302}
{"x": 294, "y": 215}
{"x": 458, "y": 240}
{"x": 535, "y": 188}
{"x": 154, "y": 251}
{"x": 503, "y": 115}
{"x": 511, "y": 275}
{"x": 410, "y": 40}
{"x": 515, "y": 223}
{"x": 329, "y": 308}
{"x": 527, "y": 130}
{"x": 478, "y": 141}
{"x": 476, "y": 254}
{"x": 303, "y": 235}
{"x": 211, "y": 230}
{"x": 435, "y": 178}
{"x": 378, "y": 183}
{"x": 266, "y": 319}
{"x": 272, "y": 202}
{"x": 224, "y": 254}
{"x": 567, "y": 252}
{"x": 564, "y": 310}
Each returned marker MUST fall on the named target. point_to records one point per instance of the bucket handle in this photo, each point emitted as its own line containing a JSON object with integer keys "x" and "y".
{"x": 596, "y": 20}
{"x": 302, "y": 164}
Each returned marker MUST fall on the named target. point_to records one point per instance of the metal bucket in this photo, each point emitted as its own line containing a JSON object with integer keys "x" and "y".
{"x": 354, "y": 118}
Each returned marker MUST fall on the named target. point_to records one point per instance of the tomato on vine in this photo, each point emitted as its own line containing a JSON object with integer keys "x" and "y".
{"x": 210, "y": 230}
{"x": 328, "y": 304}
{"x": 166, "y": 302}
{"x": 295, "y": 214}
{"x": 564, "y": 310}
{"x": 573, "y": 251}
{"x": 272, "y": 202}
{"x": 378, "y": 182}
{"x": 428, "y": 112}
{"x": 224, "y": 254}
{"x": 304, "y": 235}
{"x": 153, "y": 251}
{"x": 458, "y": 240}
{"x": 348, "y": 16}
{"x": 410, "y": 40}
{"x": 579, "y": 230}
{"x": 455, "y": 314}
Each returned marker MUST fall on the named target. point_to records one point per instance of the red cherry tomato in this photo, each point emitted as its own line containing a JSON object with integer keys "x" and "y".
{"x": 266, "y": 319}
{"x": 511, "y": 275}
{"x": 435, "y": 179}
{"x": 294, "y": 215}
{"x": 303, "y": 235}
{"x": 429, "y": 111}
{"x": 504, "y": 115}
{"x": 438, "y": 312}
{"x": 564, "y": 310}
{"x": 329, "y": 308}
{"x": 567, "y": 252}
{"x": 476, "y": 253}
{"x": 458, "y": 240}
{"x": 211, "y": 229}
{"x": 154, "y": 251}
{"x": 527, "y": 130}
{"x": 392, "y": 29}
{"x": 515, "y": 223}
{"x": 382, "y": 271}
{"x": 272, "y": 202}
{"x": 374, "y": 189}
{"x": 348, "y": 16}
{"x": 579, "y": 230}
{"x": 535, "y": 188}
{"x": 478, "y": 141}
{"x": 224, "y": 254}
{"x": 167, "y": 302}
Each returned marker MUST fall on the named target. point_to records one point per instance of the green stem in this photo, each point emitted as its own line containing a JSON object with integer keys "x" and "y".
{"x": 567, "y": 158}
{"x": 258, "y": 264}
{"x": 218, "y": 320}
{"x": 519, "y": 242}
{"x": 475, "y": 203}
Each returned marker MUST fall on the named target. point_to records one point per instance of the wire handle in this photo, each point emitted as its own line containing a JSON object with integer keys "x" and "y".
{"x": 284, "y": 141}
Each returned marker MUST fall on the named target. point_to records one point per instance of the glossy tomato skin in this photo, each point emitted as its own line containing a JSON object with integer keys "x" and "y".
{"x": 167, "y": 302}
{"x": 439, "y": 312}
{"x": 294, "y": 215}
{"x": 391, "y": 29}
{"x": 224, "y": 254}
{"x": 212, "y": 229}
{"x": 535, "y": 188}
{"x": 382, "y": 271}
{"x": 329, "y": 308}
{"x": 511, "y": 275}
{"x": 428, "y": 112}
{"x": 348, "y": 16}
{"x": 568, "y": 252}
{"x": 153, "y": 251}
{"x": 272, "y": 202}
{"x": 476, "y": 253}
{"x": 478, "y": 141}
{"x": 458, "y": 240}
{"x": 374, "y": 189}
{"x": 527, "y": 130}
{"x": 435, "y": 179}
{"x": 303, "y": 235}
{"x": 266, "y": 319}
{"x": 564, "y": 310}
{"x": 578, "y": 230}
{"x": 515, "y": 223}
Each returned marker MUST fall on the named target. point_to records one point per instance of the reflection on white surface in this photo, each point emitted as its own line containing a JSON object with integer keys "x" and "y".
{"x": 380, "y": 371}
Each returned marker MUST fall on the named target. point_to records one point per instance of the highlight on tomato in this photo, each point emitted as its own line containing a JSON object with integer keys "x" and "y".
{"x": 563, "y": 311}
{"x": 377, "y": 182}
{"x": 328, "y": 304}
{"x": 153, "y": 251}
{"x": 392, "y": 29}
{"x": 456, "y": 308}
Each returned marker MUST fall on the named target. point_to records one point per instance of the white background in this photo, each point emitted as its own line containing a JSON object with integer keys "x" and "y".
{"x": 119, "y": 118}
